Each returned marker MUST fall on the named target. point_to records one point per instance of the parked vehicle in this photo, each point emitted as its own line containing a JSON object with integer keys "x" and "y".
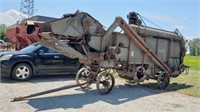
{"x": 26, "y": 32}
{"x": 2, "y": 44}
{"x": 36, "y": 60}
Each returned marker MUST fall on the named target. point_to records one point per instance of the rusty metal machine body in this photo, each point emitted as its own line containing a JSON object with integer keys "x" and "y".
{"x": 138, "y": 53}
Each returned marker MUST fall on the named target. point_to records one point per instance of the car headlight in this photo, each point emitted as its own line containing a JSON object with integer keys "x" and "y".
{"x": 6, "y": 57}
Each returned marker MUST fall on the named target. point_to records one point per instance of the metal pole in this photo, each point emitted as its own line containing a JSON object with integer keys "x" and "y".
{"x": 47, "y": 92}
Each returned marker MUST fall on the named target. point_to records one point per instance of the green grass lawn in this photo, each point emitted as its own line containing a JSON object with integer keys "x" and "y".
{"x": 188, "y": 84}
{"x": 193, "y": 61}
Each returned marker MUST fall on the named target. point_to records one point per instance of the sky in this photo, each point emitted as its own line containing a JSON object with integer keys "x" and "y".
{"x": 168, "y": 14}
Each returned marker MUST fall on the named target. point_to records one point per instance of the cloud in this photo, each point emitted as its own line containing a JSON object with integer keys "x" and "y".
{"x": 159, "y": 17}
{"x": 180, "y": 27}
{"x": 10, "y": 17}
{"x": 186, "y": 18}
{"x": 190, "y": 37}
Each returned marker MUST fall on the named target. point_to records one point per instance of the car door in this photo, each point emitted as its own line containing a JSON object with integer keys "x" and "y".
{"x": 72, "y": 65}
{"x": 50, "y": 61}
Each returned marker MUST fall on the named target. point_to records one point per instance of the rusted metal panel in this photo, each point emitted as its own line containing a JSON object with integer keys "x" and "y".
{"x": 152, "y": 44}
{"x": 51, "y": 42}
{"x": 66, "y": 27}
{"x": 175, "y": 49}
{"x": 122, "y": 40}
{"x": 162, "y": 49}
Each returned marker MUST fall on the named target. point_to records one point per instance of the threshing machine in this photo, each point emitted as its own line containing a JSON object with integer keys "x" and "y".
{"x": 137, "y": 53}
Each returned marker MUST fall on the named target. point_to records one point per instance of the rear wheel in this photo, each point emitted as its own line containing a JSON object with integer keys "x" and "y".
{"x": 163, "y": 80}
{"x": 22, "y": 72}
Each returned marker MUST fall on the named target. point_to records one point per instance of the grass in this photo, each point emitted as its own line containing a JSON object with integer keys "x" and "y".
{"x": 186, "y": 84}
{"x": 193, "y": 62}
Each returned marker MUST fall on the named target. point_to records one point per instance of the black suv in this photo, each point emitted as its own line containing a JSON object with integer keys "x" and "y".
{"x": 35, "y": 60}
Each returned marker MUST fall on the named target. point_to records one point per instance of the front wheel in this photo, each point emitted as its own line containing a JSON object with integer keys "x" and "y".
{"x": 22, "y": 72}
{"x": 84, "y": 76}
{"x": 105, "y": 82}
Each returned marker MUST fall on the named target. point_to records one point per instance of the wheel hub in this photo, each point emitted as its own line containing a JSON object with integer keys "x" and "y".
{"x": 22, "y": 72}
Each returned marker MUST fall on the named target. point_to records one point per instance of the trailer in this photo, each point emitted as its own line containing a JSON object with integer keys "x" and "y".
{"x": 26, "y": 32}
{"x": 138, "y": 53}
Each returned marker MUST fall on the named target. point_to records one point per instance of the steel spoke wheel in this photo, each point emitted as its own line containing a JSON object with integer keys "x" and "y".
{"x": 84, "y": 76}
{"x": 22, "y": 72}
{"x": 105, "y": 82}
{"x": 163, "y": 80}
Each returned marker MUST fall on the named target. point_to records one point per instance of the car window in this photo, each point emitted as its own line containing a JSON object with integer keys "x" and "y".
{"x": 46, "y": 50}
{"x": 51, "y": 51}
{"x": 30, "y": 29}
{"x": 43, "y": 49}
{"x": 31, "y": 48}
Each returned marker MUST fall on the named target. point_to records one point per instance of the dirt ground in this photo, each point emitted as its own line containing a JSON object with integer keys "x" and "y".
{"x": 123, "y": 98}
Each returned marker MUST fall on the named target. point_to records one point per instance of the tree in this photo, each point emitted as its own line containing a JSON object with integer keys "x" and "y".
{"x": 3, "y": 32}
{"x": 194, "y": 46}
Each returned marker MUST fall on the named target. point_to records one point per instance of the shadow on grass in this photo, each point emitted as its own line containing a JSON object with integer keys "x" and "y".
{"x": 177, "y": 86}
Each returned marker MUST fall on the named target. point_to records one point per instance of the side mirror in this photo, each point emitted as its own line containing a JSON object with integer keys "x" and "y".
{"x": 40, "y": 52}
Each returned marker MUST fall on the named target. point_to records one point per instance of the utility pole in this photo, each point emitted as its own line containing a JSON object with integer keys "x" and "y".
{"x": 26, "y": 8}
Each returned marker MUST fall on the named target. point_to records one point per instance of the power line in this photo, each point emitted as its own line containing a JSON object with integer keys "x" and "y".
{"x": 150, "y": 21}
{"x": 26, "y": 8}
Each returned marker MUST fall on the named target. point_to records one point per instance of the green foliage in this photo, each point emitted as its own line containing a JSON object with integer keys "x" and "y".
{"x": 193, "y": 62}
{"x": 194, "y": 46}
{"x": 3, "y": 32}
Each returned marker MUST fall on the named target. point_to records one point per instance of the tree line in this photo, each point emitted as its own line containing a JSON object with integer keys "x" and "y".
{"x": 194, "y": 46}
{"x": 3, "y": 32}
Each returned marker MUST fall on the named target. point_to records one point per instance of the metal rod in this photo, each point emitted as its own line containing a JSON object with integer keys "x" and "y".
{"x": 47, "y": 92}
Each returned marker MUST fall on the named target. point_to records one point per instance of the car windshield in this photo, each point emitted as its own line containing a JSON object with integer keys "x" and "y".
{"x": 31, "y": 48}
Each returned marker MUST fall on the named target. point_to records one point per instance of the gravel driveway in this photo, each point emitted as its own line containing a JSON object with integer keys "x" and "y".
{"x": 124, "y": 97}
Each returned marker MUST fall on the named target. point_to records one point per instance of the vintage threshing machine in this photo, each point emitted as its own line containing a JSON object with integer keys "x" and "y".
{"x": 138, "y": 53}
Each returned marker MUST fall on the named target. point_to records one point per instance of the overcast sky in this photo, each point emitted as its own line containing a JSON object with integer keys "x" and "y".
{"x": 170, "y": 14}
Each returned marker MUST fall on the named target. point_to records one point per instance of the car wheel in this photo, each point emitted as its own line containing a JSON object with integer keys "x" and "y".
{"x": 22, "y": 72}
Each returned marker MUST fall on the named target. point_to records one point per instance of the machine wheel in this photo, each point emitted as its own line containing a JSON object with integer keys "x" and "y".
{"x": 83, "y": 76}
{"x": 22, "y": 72}
{"x": 139, "y": 73}
{"x": 105, "y": 82}
{"x": 163, "y": 80}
